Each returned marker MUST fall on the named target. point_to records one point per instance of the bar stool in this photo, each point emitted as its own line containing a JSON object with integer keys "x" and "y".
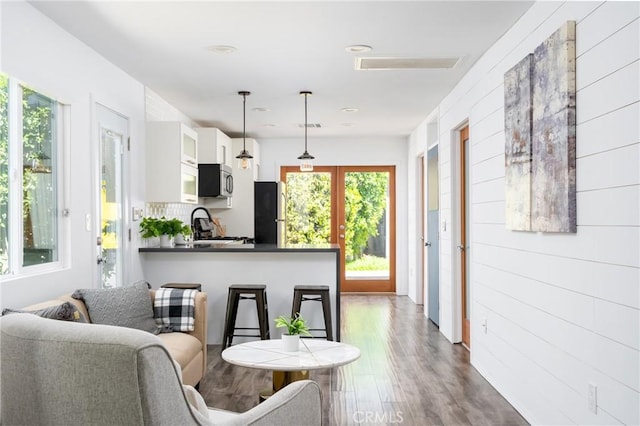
{"x": 184, "y": 286}
{"x": 239, "y": 292}
{"x": 320, "y": 293}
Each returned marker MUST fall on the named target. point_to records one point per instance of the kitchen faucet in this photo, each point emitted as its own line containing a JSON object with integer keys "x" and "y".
{"x": 197, "y": 230}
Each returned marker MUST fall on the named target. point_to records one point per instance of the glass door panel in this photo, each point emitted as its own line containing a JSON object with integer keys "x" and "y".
{"x": 351, "y": 206}
{"x": 110, "y": 208}
{"x": 113, "y": 132}
{"x": 189, "y": 148}
{"x": 189, "y": 184}
{"x": 310, "y": 216}
{"x": 365, "y": 233}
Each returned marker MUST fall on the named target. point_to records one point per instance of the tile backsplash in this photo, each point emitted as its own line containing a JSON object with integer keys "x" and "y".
{"x": 180, "y": 211}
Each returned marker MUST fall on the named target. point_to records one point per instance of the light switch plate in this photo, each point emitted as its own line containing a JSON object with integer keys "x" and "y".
{"x": 592, "y": 398}
{"x": 137, "y": 213}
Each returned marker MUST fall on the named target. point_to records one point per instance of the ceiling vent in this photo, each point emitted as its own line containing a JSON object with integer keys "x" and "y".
{"x": 310, "y": 125}
{"x": 371, "y": 63}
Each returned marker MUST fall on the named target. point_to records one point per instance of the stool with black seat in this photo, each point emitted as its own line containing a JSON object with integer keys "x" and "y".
{"x": 184, "y": 286}
{"x": 239, "y": 292}
{"x": 318, "y": 293}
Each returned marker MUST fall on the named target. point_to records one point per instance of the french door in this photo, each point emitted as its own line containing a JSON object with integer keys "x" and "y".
{"x": 353, "y": 206}
{"x": 113, "y": 133}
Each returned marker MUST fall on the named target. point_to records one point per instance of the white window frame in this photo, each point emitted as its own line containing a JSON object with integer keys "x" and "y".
{"x": 16, "y": 144}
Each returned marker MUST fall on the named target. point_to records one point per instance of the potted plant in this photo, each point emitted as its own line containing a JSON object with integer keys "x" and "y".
{"x": 295, "y": 326}
{"x": 164, "y": 228}
{"x": 184, "y": 234}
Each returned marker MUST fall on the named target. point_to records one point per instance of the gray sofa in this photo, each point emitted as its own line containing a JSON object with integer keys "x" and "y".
{"x": 60, "y": 372}
{"x": 188, "y": 349}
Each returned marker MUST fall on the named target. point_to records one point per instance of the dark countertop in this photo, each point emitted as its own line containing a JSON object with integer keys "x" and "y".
{"x": 244, "y": 248}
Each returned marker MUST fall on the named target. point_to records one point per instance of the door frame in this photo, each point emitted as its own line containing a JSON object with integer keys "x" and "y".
{"x": 371, "y": 286}
{"x": 337, "y": 216}
{"x": 428, "y": 237}
{"x": 463, "y": 233}
{"x": 422, "y": 262}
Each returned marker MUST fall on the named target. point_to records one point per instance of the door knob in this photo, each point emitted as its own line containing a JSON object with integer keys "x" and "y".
{"x": 428, "y": 244}
{"x": 460, "y": 247}
{"x": 341, "y": 236}
{"x": 341, "y": 226}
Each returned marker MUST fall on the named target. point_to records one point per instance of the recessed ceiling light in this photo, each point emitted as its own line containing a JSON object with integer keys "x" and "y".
{"x": 349, "y": 110}
{"x": 358, "y": 48}
{"x": 221, "y": 49}
{"x": 260, "y": 109}
{"x": 269, "y": 125}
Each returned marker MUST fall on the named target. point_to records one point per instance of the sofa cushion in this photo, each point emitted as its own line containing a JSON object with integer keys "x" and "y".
{"x": 183, "y": 347}
{"x": 122, "y": 306}
{"x": 64, "y": 311}
{"x": 174, "y": 309}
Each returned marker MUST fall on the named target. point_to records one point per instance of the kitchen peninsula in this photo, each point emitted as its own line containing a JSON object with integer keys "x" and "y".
{"x": 217, "y": 266}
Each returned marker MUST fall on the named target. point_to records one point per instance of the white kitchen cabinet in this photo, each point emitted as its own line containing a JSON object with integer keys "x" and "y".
{"x": 189, "y": 184}
{"x": 189, "y": 144}
{"x": 171, "y": 163}
{"x": 214, "y": 147}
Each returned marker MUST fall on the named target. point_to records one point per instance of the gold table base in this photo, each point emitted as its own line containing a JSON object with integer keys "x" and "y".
{"x": 281, "y": 379}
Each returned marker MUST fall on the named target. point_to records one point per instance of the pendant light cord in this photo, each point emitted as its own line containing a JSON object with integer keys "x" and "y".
{"x": 244, "y": 122}
{"x": 305, "y": 122}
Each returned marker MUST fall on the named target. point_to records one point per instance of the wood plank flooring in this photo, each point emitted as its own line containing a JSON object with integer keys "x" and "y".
{"x": 408, "y": 374}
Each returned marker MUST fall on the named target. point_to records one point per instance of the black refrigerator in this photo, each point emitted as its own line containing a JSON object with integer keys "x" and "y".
{"x": 270, "y": 204}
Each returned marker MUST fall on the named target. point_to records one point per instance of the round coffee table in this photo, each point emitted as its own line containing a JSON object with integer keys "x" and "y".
{"x": 288, "y": 367}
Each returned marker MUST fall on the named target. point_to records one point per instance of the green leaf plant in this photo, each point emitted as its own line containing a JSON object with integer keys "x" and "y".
{"x": 295, "y": 325}
{"x": 153, "y": 227}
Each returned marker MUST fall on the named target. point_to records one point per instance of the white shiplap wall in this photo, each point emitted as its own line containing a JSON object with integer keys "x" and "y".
{"x": 562, "y": 310}
{"x": 158, "y": 109}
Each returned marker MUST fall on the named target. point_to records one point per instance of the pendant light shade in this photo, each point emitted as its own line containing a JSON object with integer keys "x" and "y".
{"x": 306, "y": 159}
{"x": 244, "y": 158}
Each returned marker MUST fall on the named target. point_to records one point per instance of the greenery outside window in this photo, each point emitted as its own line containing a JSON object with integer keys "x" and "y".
{"x": 4, "y": 174}
{"x": 29, "y": 176}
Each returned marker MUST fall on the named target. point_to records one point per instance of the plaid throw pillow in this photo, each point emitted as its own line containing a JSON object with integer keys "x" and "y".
{"x": 174, "y": 309}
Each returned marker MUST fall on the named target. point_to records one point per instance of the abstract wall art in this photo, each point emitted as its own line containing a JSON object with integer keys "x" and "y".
{"x": 554, "y": 133}
{"x": 517, "y": 123}
{"x": 542, "y": 107}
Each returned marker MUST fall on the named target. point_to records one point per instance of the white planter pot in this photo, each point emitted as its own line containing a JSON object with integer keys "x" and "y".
{"x": 166, "y": 241}
{"x": 290, "y": 343}
{"x": 181, "y": 239}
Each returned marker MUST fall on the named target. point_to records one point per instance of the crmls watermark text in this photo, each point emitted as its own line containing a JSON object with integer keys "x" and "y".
{"x": 386, "y": 417}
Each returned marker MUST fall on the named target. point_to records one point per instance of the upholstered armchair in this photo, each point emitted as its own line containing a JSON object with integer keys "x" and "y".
{"x": 58, "y": 372}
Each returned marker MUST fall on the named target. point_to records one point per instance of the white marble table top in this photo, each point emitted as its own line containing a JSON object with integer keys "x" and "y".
{"x": 269, "y": 355}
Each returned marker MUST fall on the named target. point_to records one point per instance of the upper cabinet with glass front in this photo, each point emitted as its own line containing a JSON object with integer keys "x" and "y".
{"x": 189, "y": 140}
{"x": 171, "y": 163}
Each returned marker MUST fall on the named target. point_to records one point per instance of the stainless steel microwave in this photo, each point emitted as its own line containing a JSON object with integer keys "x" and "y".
{"x": 214, "y": 181}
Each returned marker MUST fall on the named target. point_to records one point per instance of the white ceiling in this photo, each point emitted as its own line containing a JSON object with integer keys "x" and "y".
{"x": 286, "y": 47}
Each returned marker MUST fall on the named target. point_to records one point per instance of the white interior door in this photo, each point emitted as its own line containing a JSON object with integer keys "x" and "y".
{"x": 113, "y": 135}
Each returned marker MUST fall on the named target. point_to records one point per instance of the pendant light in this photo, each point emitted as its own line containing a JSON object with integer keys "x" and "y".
{"x": 244, "y": 158}
{"x": 306, "y": 159}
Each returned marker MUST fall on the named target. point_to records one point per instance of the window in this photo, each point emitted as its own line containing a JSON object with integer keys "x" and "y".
{"x": 4, "y": 174}
{"x": 29, "y": 172}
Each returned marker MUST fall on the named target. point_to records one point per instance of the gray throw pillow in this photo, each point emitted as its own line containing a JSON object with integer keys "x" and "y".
{"x": 66, "y": 311}
{"x": 122, "y": 306}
